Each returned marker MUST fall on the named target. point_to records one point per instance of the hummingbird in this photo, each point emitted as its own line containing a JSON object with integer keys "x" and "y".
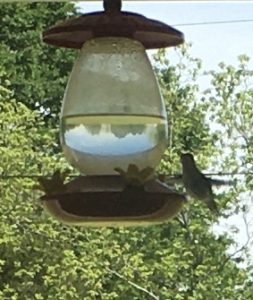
{"x": 197, "y": 185}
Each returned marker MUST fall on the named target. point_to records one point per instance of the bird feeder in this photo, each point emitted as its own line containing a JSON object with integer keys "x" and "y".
{"x": 112, "y": 116}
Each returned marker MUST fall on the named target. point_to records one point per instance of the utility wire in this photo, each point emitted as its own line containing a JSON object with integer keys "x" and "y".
{"x": 35, "y": 176}
{"x": 196, "y": 24}
{"x": 214, "y": 22}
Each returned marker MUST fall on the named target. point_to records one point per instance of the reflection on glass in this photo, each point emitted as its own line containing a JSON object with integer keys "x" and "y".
{"x": 98, "y": 144}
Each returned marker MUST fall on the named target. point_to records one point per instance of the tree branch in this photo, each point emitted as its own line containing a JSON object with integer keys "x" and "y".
{"x": 243, "y": 247}
{"x": 153, "y": 296}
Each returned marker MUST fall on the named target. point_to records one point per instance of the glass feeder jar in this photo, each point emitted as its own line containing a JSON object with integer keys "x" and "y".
{"x": 113, "y": 114}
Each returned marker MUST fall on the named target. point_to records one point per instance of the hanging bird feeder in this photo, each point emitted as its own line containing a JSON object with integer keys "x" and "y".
{"x": 113, "y": 117}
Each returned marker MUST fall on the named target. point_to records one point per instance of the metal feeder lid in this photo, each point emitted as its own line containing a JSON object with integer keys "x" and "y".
{"x": 74, "y": 33}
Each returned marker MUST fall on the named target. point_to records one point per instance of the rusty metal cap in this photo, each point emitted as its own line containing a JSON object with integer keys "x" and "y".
{"x": 75, "y": 32}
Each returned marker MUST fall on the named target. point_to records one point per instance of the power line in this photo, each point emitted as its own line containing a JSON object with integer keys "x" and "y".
{"x": 214, "y": 22}
{"x": 33, "y": 176}
{"x": 191, "y": 24}
{"x": 172, "y": 176}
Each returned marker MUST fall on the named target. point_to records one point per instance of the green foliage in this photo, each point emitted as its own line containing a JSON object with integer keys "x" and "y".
{"x": 188, "y": 128}
{"x": 43, "y": 259}
{"x": 38, "y": 73}
{"x": 230, "y": 98}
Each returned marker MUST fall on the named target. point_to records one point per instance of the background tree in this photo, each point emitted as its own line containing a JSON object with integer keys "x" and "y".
{"x": 38, "y": 73}
{"x": 181, "y": 259}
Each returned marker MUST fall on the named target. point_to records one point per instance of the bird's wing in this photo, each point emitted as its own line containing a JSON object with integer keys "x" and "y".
{"x": 197, "y": 186}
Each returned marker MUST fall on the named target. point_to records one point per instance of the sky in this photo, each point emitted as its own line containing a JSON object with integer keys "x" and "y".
{"x": 212, "y": 43}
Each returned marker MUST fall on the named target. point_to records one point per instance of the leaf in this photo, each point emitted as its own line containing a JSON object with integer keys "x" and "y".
{"x": 55, "y": 184}
{"x": 132, "y": 170}
{"x": 146, "y": 174}
{"x": 120, "y": 171}
{"x": 135, "y": 177}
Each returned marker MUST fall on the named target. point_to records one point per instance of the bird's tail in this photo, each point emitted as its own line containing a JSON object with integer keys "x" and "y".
{"x": 213, "y": 208}
{"x": 219, "y": 182}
